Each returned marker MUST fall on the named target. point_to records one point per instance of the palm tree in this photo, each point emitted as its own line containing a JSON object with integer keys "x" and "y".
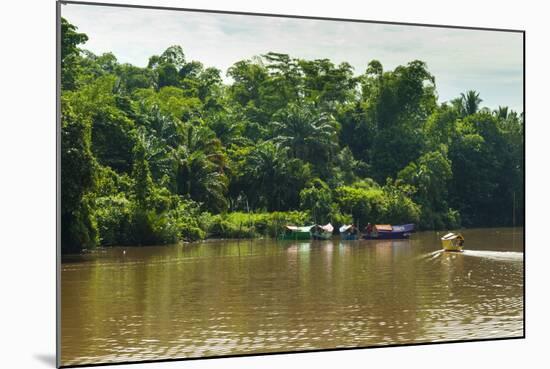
{"x": 502, "y": 112}
{"x": 228, "y": 127}
{"x": 266, "y": 171}
{"x": 305, "y": 131}
{"x": 200, "y": 165}
{"x": 160, "y": 135}
{"x": 470, "y": 102}
{"x": 163, "y": 126}
{"x": 270, "y": 179}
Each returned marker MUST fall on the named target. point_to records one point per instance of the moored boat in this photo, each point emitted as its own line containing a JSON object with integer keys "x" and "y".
{"x": 319, "y": 232}
{"x": 349, "y": 232}
{"x": 389, "y": 232}
{"x": 452, "y": 242}
{"x": 296, "y": 233}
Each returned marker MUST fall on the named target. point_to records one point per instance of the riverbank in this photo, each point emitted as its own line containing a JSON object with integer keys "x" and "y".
{"x": 516, "y": 234}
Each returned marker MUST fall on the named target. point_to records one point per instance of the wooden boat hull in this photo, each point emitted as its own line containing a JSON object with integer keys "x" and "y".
{"x": 321, "y": 236}
{"x": 349, "y": 237}
{"x": 387, "y": 236}
{"x": 294, "y": 236}
{"x": 396, "y": 232}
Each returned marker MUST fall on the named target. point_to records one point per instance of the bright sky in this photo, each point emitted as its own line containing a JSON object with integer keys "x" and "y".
{"x": 489, "y": 62}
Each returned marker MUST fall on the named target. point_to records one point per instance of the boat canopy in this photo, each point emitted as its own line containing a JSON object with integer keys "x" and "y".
{"x": 299, "y": 229}
{"x": 345, "y": 228}
{"x": 452, "y": 236}
{"x": 383, "y": 227}
{"x": 403, "y": 228}
{"x": 327, "y": 227}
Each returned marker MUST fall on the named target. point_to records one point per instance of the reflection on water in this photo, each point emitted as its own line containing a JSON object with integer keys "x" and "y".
{"x": 229, "y": 297}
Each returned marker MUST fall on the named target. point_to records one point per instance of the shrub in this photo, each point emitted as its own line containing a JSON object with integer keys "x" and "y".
{"x": 317, "y": 199}
{"x": 366, "y": 203}
{"x": 150, "y": 228}
{"x": 248, "y": 225}
{"x": 189, "y": 222}
{"x": 114, "y": 216}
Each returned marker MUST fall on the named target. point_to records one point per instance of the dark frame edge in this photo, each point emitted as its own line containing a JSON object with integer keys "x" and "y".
{"x": 337, "y": 349}
{"x": 58, "y": 183}
{"x": 228, "y": 12}
{"x": 524, "y": 189}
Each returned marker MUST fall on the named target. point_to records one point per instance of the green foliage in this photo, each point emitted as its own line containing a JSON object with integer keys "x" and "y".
{"x": 80, "y": 228}
{"x": 200, "y": 165}
{"x": 70, "y": 54}
{"x": 429, "y": 177}
{"x": 114, "y": 216}
{"x": 78, "y": 181}
{"x": 358, "y": 202}
{"x": 272, "y": 178}
{"x": 469, "y": 102}
{"x": 397, "y": 104}
{"x": 172, "y": 152}
{"x": 397, "y": 206}
{"x": 487, "y": 170}
{"x": 317, "y": 199}
{"x": 310, "y": 135}
{"x": 374, "y": 204}
{"x": 247, "y": 225}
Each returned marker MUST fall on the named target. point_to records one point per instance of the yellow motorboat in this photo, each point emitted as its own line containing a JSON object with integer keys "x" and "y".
{"x": 452, "y": 242}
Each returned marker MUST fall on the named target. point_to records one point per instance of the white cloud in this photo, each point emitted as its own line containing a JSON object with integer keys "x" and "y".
{"x": 490, "y": 62}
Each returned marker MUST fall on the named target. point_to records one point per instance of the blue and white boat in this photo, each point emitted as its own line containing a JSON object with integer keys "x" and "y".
{"x": 321, "y": 232}
{"x": 349, "y": 232}
{"x": 389, "y": 232}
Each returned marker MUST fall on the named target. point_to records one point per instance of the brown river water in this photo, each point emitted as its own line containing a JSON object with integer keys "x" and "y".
{"x": 227, "y": 297}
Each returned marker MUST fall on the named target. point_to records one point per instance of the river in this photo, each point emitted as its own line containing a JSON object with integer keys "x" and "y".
{"x": 227, "y": 297}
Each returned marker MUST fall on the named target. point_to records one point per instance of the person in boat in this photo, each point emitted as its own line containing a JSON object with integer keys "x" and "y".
{"x": 368, "y": 229}
{"x": 353, "y": 230}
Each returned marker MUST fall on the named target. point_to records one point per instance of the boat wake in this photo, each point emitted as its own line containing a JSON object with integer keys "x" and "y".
{"x": 435, "y": 254}
{"x": 495, "y": 255}
{"x": 430, "y": 256}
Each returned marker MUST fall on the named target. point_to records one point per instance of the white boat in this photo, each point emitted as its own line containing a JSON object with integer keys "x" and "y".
{"x": 319, "y": 232}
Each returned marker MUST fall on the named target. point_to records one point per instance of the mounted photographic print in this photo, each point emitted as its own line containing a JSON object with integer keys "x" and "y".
{"x": 242, "y": 184}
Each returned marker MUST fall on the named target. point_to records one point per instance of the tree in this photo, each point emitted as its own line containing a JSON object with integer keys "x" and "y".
{"x": 200, "y": 168}
{"x": 396, "y": 104}
{"x": 501, "y": 113}
{"x": 284, "y": 83}
{"x": 358, "y": 202}
{"x": 486, "y": 171}
{"x": 246, "y": 90}
{"x": 133, "y": 78}
{"x": 470, "y": 102}
{"x": 347, "y": 168}
{"x": 78, "y": 181}
{"x": 143, "y": 183}
{"x": 317, "y": 199}
{"x": 70, "y": 54}
{"x": 430, "y": 176}
{"x": 440, "y": 127}
{"x": 112, "y": 130}
{"x": 310, "y": 135}
{"x": 271, "y": 179}
{"x": 173, "y": 55}
{"x": 167, "y": 66}
{"x": 327, "y": 86}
